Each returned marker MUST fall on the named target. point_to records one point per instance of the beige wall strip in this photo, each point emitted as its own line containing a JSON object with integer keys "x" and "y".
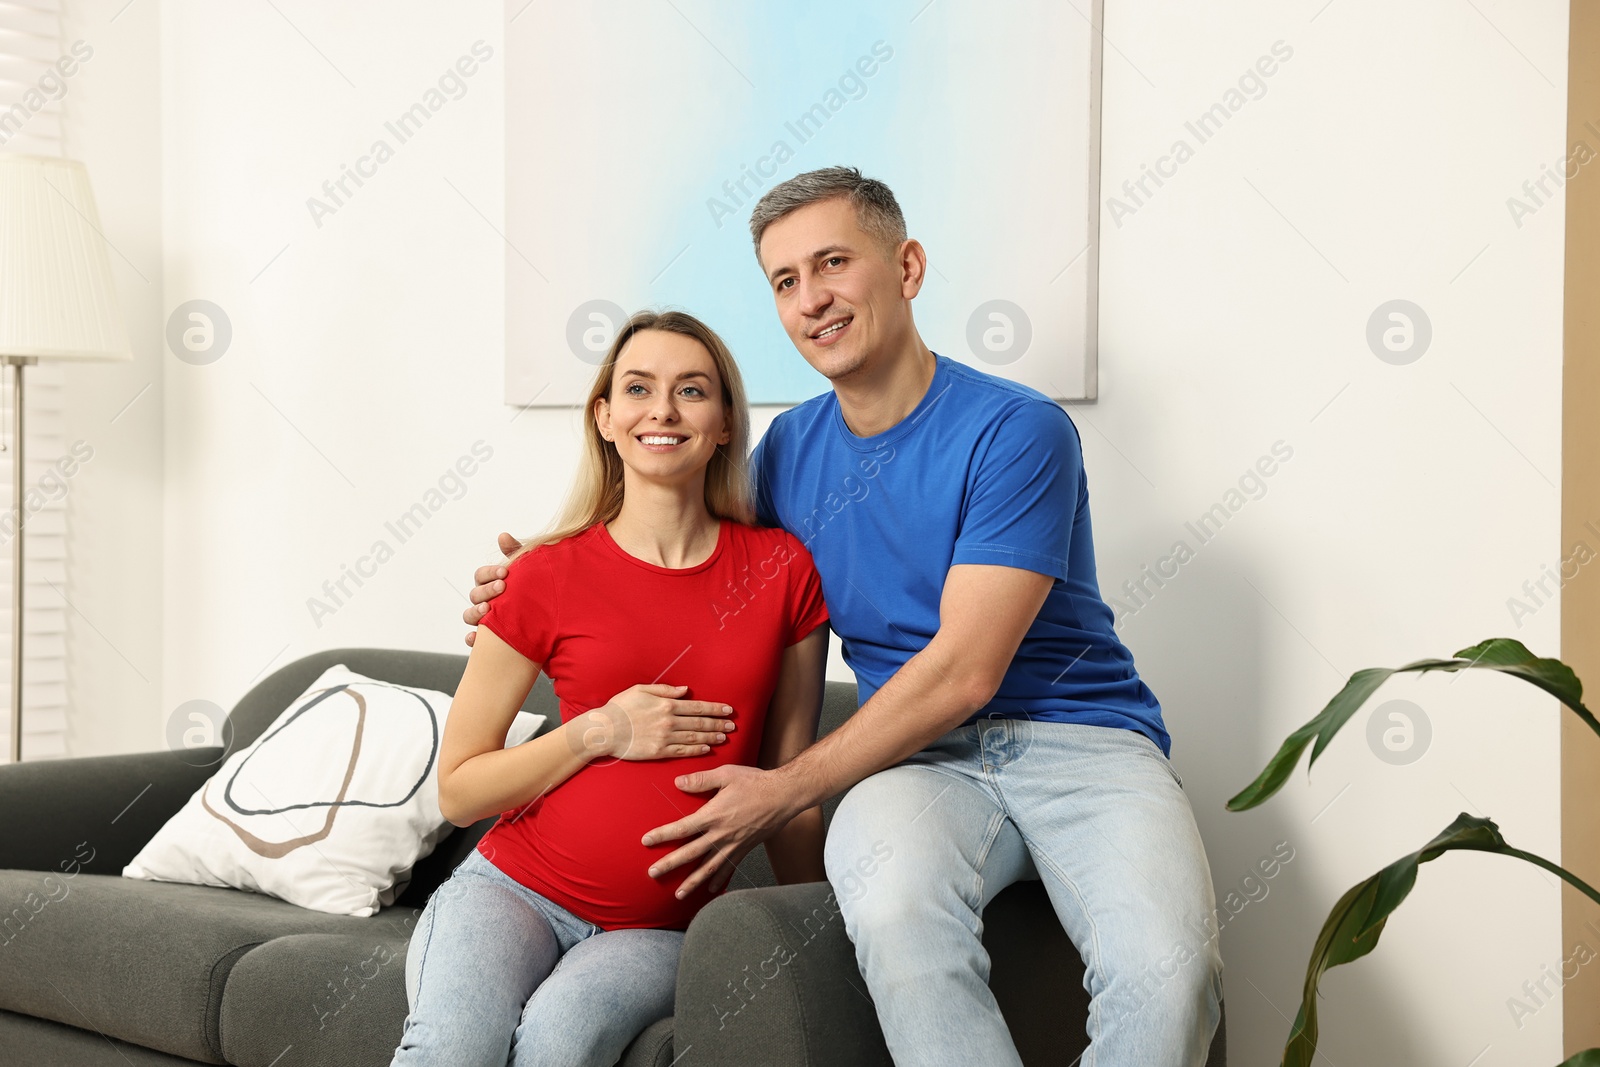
{"x": 1580, "y": 505}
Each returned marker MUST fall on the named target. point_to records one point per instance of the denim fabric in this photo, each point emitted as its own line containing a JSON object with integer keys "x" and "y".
{"x": 498, "y": 975}
{"x": 916, "y": 851}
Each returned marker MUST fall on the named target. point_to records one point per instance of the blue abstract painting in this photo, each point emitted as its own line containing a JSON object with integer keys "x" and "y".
{"x": 640, "y": 133}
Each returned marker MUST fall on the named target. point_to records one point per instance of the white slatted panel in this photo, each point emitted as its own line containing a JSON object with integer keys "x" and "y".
{"x": 30, "y": 42}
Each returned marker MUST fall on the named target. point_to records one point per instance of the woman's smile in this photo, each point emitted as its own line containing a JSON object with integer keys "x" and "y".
{"x": 661, "y": 442}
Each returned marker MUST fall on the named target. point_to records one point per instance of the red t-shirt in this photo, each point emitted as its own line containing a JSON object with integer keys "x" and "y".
{"x": 599, "y": 620}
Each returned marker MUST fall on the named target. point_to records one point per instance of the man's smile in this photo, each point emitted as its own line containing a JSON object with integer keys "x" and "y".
{"x": 828, "y": 334}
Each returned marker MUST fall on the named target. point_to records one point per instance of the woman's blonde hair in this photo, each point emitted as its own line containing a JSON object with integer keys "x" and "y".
{"x": 596, "y": 494}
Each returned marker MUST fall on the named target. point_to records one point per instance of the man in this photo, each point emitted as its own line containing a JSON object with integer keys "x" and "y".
{"x": 1003, "y": 732}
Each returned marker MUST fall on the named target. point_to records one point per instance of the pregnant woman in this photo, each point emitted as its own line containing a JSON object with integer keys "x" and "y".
{"x": 551, "y": 943}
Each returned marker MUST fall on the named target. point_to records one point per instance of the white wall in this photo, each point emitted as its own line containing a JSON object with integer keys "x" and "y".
{"x": 112, "y": 122}
{"x": 1376, "y": 166}
{"x": 366, "y": 359}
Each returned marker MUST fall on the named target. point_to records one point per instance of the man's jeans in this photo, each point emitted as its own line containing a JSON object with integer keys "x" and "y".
{"x": 916, "y": 851}
{"x": 498, "y": 974}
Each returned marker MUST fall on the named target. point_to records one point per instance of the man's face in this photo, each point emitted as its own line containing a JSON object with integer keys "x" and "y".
{"x": 839, "y": 292}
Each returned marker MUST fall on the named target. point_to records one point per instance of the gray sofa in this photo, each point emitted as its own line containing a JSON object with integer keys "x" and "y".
{"x": 99, "y": 969}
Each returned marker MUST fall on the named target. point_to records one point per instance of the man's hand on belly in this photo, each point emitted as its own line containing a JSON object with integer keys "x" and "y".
{"x": 750, "y": 806}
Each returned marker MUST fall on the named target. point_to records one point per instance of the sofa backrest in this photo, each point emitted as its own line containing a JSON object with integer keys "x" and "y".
{"x": 256, "y": 710}
{"x": 425, "y": 670}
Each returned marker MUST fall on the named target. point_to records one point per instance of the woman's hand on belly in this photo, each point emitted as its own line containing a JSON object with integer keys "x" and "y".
{"x": 648, "y": 722}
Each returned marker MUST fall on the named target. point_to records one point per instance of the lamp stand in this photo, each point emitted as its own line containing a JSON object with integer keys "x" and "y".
{"x": 16, "y": 363}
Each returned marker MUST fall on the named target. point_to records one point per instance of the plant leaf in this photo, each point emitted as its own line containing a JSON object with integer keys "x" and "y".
{"x": 1586, "y": 1058}
{"x": 1500, "y": 653}
{"x": 1512, "y": 657}
{"x": 1357, "y": 920}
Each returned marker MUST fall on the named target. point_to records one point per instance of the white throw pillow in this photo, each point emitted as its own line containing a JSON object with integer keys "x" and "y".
{"x": 331, "y": 806}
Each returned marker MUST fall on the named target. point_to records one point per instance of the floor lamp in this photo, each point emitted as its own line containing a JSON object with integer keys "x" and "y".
{"x": 57, "y": 301}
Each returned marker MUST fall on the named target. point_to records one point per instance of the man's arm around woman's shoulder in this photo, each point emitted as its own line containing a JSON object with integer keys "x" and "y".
{"x": 796, "y": 850}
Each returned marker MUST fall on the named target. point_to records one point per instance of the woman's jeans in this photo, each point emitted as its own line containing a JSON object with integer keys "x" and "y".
{"x": 916, "y": 851}
{"x": 496, "y": 975}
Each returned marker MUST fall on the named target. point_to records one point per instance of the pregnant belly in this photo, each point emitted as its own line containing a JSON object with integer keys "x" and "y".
{"x": 583, "y": 843}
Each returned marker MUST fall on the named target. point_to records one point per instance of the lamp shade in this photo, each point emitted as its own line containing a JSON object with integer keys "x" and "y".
{"x": 57, "y": 298}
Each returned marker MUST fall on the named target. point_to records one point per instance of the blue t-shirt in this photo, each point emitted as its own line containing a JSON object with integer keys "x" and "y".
{"x": 983, "y": 470}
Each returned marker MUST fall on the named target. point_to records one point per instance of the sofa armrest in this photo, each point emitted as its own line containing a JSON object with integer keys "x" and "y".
{"x": 769, "y": 976}
{"x": 96, "y": 810}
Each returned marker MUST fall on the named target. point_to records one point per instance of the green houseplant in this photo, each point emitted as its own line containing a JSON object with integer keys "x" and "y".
{"x": 1357, "y": 920}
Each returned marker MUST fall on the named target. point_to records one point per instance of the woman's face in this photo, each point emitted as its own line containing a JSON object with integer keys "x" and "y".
{"x": 665, "y": 413}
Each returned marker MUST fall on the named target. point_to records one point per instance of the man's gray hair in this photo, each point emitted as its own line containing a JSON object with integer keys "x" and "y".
{"x": 877, "y": 211}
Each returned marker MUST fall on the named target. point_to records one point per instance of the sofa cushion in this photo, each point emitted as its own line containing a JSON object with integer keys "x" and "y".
{"x": 39, "y": 1042}
{"x": 330, "y": 808}
{"x": 309, "y": 999}
{"x": 306, "y": 1000}
{"x": 144, "y": 961}
{"x": 652, "y": 1048}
